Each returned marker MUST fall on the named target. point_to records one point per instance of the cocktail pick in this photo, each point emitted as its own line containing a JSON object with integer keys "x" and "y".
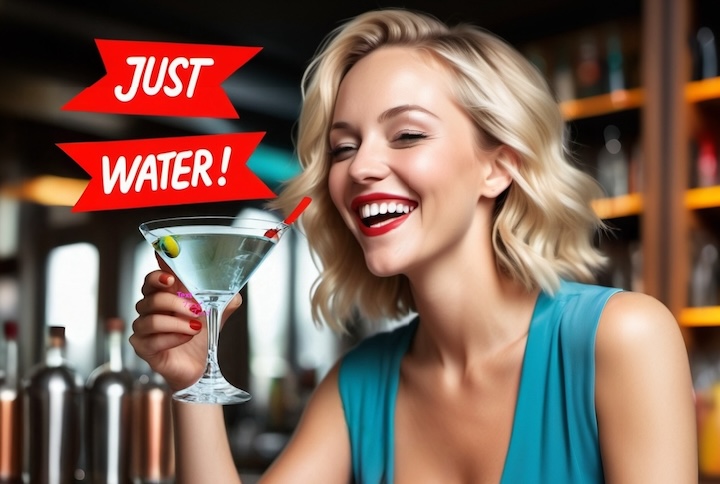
{"x": 290, "y": 218}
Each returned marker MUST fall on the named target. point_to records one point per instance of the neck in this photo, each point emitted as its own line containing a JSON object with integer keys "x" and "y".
{"x": 468, "y": 309}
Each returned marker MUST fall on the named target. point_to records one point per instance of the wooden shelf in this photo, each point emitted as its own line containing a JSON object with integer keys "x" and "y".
{"x": 695, "y": 92}
{"x": 616, "y": 207}
{"x": 602, "y": 104}
{"x": 697, "y": 198}
{"x": 705, "y": 90}
{"x": 702, "y": 316}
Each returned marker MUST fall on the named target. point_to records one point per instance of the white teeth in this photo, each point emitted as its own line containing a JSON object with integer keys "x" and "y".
{"x": 372, "y": 209}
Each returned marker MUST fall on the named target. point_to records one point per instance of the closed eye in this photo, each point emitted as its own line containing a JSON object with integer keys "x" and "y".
{"x": 341, "y": 152}
{"x": 410, "y": 136}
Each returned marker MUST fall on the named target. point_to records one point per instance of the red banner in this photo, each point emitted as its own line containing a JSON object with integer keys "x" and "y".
{"x": 167, "y": 171}
{"x": 161, "y": 78}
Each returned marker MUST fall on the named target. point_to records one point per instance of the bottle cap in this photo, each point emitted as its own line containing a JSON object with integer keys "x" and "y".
{"x": 10, "y": 330}
{"x": 114, "y": 324}
{"x": 57, "y": 336}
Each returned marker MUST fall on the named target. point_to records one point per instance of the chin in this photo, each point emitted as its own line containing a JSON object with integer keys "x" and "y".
{"x": 382, "y": 268}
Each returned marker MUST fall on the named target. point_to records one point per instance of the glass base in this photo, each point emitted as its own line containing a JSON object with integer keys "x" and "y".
{"x": 212, "y": 390}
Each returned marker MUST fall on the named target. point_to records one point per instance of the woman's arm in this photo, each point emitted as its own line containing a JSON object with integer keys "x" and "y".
{"x": 202, "y": 450}
{"x": 318, "y": 452}
{"x": 164, "y": 337}
{"x": 644, "y": 397}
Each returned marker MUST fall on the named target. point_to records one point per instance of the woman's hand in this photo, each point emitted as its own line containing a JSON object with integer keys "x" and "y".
{"x": 170, "y": 332}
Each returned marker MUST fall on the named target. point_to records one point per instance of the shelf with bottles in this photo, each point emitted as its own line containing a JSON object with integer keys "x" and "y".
{"x": 625, "y": 99}
{"x": 702, "y": 200}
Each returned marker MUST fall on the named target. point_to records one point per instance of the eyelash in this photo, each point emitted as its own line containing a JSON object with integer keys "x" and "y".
{"x": 410, "y": 136}
{"x": 339, "y": 150}
{"x": 405, "y": 137}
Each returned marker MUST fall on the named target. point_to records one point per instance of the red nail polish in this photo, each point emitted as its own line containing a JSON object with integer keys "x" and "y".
{"x": 195, "y": 325}
{"x": 164, "y": 278}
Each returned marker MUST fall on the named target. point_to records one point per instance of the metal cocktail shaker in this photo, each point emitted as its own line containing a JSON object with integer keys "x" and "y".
{"x": 153, "y": 451}
{"x": 109, "y": 411}
{"x": 52, "y": 416}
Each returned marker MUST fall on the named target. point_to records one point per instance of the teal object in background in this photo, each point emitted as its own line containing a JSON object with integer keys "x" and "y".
{"x": 273, "y": 165}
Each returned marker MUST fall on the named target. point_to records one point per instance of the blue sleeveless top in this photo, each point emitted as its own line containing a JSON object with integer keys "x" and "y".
{"x": 554, "y": 436}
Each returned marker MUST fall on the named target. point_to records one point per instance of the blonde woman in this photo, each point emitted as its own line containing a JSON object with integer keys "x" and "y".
{"x": 436, "y": 162}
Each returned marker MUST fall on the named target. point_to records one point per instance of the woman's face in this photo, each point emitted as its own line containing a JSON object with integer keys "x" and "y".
{"x": 407, "y": 175}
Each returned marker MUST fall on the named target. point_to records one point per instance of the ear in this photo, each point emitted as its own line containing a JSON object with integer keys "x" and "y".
{"x": 501, "y": 165}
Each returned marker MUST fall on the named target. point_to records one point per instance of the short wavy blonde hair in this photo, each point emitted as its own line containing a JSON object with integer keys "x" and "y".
{"x": 543, "y": 223}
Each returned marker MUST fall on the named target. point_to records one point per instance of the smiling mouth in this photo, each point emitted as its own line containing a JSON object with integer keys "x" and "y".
{"x": 382, "y": 213}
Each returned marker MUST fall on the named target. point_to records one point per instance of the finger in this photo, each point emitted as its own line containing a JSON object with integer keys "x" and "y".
{"x": 153, "y": 324}
{"x": 148, "y": 347}
{"x": 234, "y": 303}
{"x": 158, "y": 280}
{"x": 167, "y": 303}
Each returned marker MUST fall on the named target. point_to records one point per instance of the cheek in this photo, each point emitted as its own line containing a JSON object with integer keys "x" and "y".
{"x": 437, "y": 168}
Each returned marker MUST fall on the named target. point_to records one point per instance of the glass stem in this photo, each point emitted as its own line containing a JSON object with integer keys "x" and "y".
{"x": 212, "y": 313}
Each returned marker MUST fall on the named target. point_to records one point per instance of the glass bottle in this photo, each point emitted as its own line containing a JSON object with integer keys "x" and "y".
{"x": 10, "y": 412}
{"x": 109, "y": 412}
{"x": 52, "y": 416}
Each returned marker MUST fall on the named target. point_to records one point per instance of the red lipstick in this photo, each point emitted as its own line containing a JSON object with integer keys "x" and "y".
{"x": 359, "y": 202}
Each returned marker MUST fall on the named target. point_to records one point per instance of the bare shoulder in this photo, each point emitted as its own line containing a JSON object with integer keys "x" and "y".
{"x": 643, "y": 393}
{"x": 636, "y": 322}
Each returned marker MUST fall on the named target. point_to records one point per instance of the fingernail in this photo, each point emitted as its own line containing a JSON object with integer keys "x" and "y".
{"x": 164, "y": 278}
{"x": 195, "y": 325}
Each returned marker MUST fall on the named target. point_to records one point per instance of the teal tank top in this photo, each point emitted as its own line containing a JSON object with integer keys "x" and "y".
{"x": 554, "y": 436}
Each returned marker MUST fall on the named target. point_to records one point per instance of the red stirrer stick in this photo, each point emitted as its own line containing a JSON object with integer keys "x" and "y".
{"x": 290, "y": 218}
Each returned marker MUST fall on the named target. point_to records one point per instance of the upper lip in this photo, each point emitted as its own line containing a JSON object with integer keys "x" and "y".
{"x": 361, "y": 200}
{"x": 379, "y": 197}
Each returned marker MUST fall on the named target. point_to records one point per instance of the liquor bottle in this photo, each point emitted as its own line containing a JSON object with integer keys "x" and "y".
{"x": 53, "y": 400}
{"x": 563, "y": 81}
{"x": 109, "y": 412}
{"x": 10, "y": 412}
{"x": 615, "y": 70}
{"x": 153, "y": 451}
{"x": 706, "y": 57}
{"x": 588, "y": 68}
{"x": 613, "y": 164}
{"x": 707, "y": 162}
{"x": 703, "y": 282}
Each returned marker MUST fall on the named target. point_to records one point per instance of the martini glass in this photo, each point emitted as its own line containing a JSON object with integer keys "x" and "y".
{"x": 213, "y": 257}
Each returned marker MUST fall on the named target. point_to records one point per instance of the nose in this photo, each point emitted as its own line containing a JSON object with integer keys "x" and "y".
{"x": 369, "y": 164}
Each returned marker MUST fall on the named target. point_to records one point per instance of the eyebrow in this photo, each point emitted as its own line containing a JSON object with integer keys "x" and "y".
{"x": 390, "y": 113}
{"x": 398, "y": 110}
